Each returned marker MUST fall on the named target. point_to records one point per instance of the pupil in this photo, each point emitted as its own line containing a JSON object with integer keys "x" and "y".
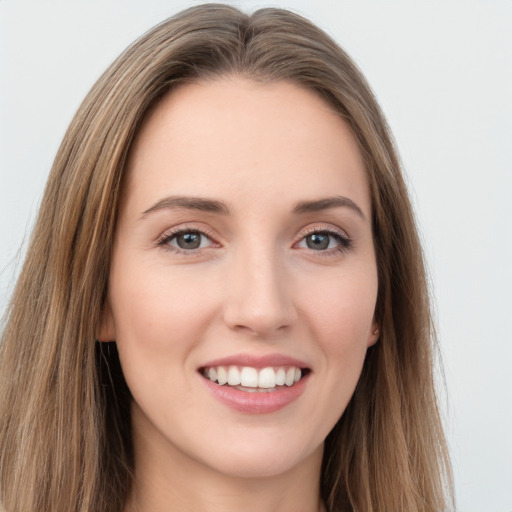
{"x": 317, "y": 241}
{"x": 189, "y": 241}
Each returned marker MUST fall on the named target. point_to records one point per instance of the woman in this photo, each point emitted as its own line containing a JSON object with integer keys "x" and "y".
{"x": 224, "y": 302}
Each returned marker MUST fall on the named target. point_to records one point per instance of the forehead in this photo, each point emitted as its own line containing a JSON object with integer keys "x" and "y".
{"x": 217, "y": 136}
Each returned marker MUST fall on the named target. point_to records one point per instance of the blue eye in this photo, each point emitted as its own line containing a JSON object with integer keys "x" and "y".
{"x": 325, "y": 241}
{"x": 318, "y": 241}
{"x": 188, "y": 240}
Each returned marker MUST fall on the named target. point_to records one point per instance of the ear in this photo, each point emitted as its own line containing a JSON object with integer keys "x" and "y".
{"x": 374, "y": 334}
{"x": 107, "y": 330}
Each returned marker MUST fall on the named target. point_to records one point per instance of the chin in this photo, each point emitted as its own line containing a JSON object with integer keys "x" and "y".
{"x": 257, "y": 461}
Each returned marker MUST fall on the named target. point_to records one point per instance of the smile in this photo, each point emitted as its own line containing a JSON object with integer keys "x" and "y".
{"x": 252, "y": 379}
{"x": 253, "y": 384}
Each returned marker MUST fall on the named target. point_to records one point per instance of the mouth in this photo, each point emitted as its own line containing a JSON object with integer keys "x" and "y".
{"x": 252, "y": 384}
{"x": 255, "y": 380}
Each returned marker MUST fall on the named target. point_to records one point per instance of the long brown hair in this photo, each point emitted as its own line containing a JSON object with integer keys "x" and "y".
{"x": 65, "y": 434}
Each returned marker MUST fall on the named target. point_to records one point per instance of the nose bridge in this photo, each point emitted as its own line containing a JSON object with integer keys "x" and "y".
{"x": 258, "y": 298}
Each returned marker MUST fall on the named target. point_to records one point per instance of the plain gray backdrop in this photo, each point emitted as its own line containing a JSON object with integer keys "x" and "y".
{"x": 442, "y": 71}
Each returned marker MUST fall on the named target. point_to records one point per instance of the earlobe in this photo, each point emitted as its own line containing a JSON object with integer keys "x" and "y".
{"x": 106, "y": 330}
{"x": 375, "y": 334}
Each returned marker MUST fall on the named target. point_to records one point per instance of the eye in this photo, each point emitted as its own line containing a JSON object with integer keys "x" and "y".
{"x": 325, "y": 241}
{"x": 186, "y": 240}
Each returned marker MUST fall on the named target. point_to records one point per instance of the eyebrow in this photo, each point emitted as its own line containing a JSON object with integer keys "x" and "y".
{"x": 189, "y": 203}
{"x": 326, "y": 204}
{"x": 213, "y": 206}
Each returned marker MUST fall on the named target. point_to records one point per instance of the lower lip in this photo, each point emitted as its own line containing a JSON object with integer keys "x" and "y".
{"x": 257, "y": 402}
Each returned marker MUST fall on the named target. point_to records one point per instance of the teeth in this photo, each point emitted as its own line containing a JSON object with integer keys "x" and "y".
{"x": 280, "y": 377}
{"x": 251, "y": 378}
{"x": 233, "y": 376}
{"x": 222, "y": 376}
{"x": 267, "y": 378}
{"x": 212, "y": 374}
{"x": 290, "y": 377}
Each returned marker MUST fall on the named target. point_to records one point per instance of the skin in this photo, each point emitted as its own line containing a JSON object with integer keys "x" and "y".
{"x": 254, "y": 286}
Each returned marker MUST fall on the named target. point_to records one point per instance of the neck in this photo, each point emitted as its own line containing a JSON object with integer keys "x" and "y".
{"x": 223, "y": 495}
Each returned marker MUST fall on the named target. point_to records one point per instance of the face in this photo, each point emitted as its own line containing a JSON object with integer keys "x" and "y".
{"x": 243, "y": 280}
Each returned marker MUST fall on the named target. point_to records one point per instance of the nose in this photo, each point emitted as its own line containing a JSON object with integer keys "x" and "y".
{"x": 258, "y": 297}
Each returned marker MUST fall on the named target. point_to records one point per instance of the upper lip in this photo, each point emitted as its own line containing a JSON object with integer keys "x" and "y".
{"x": 253, "y": 361}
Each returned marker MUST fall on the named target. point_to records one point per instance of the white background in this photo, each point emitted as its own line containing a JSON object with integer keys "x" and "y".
{"x": 442, "y": 71}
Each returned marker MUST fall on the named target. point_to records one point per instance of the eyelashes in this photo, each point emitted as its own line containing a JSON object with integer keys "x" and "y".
{"x": 325, "y": 241}
{"x": 192, "y": 241}
{"x": 187, "y": 241}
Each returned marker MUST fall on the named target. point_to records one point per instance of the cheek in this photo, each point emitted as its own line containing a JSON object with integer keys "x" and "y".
{"x": 342, "y": 310}
{"x": 159, "y": 319}
{"x": 159, "y": 309}
{"x": 341, "y": 318}
{"x": 341, "y": 322}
